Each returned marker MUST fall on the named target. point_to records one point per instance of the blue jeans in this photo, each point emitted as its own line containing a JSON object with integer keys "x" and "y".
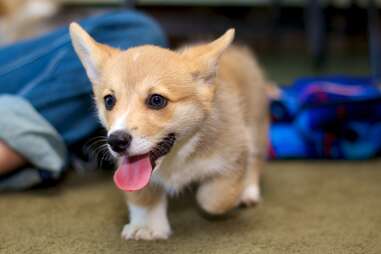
{"x": 47, "y": 73}
{"x": 46, "y": 100}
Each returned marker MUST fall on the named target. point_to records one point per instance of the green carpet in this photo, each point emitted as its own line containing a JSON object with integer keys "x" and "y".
{"x": 314, "y": 207}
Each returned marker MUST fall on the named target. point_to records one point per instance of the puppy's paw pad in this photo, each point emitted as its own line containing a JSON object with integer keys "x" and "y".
{"x": 139, "y": 232}
{"x": 250, "y": 195}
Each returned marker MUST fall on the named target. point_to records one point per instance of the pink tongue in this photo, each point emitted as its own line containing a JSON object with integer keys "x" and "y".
{"x": 134, "y": 173}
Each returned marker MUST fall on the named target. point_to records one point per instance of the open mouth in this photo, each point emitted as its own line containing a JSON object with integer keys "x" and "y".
{"x": 162, "y": 148}
{"x": 134, "y": 172}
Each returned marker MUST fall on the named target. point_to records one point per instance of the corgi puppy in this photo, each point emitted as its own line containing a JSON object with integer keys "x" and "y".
{"x": 199, "y": 114}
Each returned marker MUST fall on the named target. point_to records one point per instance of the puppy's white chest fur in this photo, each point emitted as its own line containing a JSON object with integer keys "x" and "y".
{"x": 180, "y": 168}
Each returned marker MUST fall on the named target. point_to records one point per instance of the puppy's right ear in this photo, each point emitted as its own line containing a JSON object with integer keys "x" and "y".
{"x": 91, "y": 53}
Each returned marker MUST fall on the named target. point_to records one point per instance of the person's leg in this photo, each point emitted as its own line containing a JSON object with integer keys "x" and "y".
{"x": 47, "y": 72}
{"x": 9, "y": 159}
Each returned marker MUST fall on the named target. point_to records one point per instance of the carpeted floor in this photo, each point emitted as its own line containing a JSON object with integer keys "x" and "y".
{"x": 315, "y": 207}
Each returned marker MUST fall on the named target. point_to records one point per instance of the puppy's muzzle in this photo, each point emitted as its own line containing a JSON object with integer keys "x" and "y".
{"x": 119, "y": 141}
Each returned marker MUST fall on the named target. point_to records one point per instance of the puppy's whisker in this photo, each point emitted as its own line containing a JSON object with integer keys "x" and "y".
{"x": 95, "y": 143}
{"x": 97, "y": 150}
{"x": 105, "y": 156}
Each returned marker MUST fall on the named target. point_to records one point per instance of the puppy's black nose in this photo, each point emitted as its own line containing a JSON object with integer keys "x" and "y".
{"x": 119, "y": 141}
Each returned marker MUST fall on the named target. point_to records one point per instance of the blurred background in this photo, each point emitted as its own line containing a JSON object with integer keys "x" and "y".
{"x": 291, "y": 37}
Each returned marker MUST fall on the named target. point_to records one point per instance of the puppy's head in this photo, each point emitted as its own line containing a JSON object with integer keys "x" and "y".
{"x": 148, "y": 98}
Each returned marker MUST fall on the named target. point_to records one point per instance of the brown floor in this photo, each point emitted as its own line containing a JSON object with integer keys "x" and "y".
{"x": 314, "y": 207}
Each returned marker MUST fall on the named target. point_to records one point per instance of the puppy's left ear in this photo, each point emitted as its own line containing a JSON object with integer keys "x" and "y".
{"x": 92, "y": 54}
{"x": 203, "y": 59}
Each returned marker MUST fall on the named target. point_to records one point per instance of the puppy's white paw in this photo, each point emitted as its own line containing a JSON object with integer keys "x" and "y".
{"x": 145, "y": 232}
{"x": 251, "y": 195}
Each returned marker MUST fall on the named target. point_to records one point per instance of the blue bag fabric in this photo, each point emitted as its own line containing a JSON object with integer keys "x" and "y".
{"x": 329, "y": 117}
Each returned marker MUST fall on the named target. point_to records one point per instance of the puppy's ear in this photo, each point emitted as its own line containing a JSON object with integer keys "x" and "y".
{"x": 91, "y": 53}
{"x": 203, "y": 59}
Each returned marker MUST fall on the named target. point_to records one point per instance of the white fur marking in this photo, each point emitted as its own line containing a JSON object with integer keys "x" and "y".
{"x": 139, "y": 145}
{"x": 189, "y": 147}
{"x": 183, "y": 172}
{"x": 135, "y": 56}
{"x": 251, "y": 195}
{"x": 147, "y": 224}
{"x": 119, "y": 124}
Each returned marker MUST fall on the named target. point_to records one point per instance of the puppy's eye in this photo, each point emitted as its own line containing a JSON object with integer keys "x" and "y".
{"x": 109, "y": 101}
{"x": 156, "y": 101}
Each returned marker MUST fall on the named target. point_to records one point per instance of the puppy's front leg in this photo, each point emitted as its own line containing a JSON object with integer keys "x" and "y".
{"x": 148, "y": 215}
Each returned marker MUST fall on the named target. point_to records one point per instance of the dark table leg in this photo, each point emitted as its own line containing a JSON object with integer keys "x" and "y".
{"x": 374, "y": 42}
{"x": 130, "y": 3}
{"x": 316, "y": 32}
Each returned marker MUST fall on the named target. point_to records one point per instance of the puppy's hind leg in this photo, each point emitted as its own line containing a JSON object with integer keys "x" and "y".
{"x": 221, "y": 193}
{"x": 256, "y": 162}
{"x": 251, "y": 194}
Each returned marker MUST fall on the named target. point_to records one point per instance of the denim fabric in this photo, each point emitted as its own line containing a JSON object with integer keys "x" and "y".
{"x": 46, "y": 71}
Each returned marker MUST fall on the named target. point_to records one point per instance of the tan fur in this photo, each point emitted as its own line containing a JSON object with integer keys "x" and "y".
{"x": 221, "y": 193}
{"x": 217, "y": 107}
{"x": 147, "y": 197}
